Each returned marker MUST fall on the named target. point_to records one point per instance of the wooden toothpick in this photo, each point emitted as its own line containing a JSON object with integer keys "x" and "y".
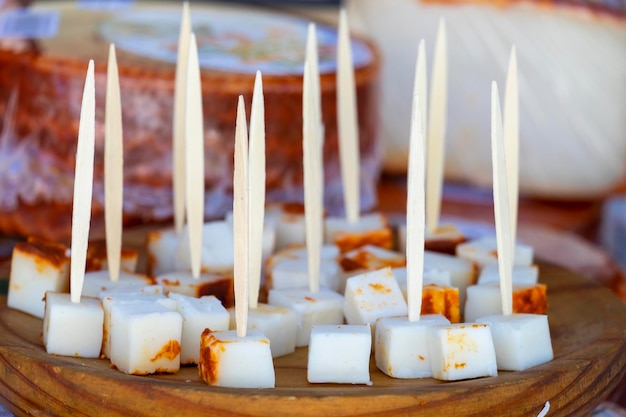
{"x": 83, "y": 186}
{"x": 347, "y": 121}
{"x": 194, "y": 157}
{"x": 313, "y": 172}
{"x": 241, "y": 221}
{"x": 178, "y": 128}
{"x": 416, "y": 199}
{"x": 113, "y": 168}
{"x": 436, "y": 129}
{"x": 257, "y": 188}
{"x": 313, "y": 59}
{"x": 511, "y": 138}
{"x": 501, "y": 204}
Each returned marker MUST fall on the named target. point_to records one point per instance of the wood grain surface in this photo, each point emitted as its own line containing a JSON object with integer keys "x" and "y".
{"x": 587, "y": 323}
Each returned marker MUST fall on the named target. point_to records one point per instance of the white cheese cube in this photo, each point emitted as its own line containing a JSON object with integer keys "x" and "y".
{"x": 373, "y": 295}
{"x": 321, "y": 307}
{"x": 401, "y": 346}
{"x": 339, "y": 354}
{"x": 98, "y": 281}
{"x": 227, "y": 360}
{"x": 288, "y": 222}
{"x": 278, "y": 324}
{"x": 523, "y": 275}
{"x": 484, "y": 250}
{"x": 463, "y": 273}
{"x": 269, "y": 235}
{"x": 161, "y": 251}
{"x": 198, "y": 314}
{"x": 97, "y": 257}
{"x": 521, "y": 340}
{"x": 485, "y": 300}
{"x": 461, "y": 351}
{"x": 444, "y": 239}
{"x": 371, "y": 228}
{"x": 108, "y": 299}
{"x": 36, "y": 268}
{"x": 217, "y": 248}
{"x": 184, "y": 283}
{"x": 72, "y": 329}
{"x": 288, "y": 269}
{"x": 145, "y": 338}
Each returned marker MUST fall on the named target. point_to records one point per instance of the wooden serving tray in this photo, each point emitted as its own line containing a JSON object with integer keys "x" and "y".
{"x": 587, "y": 323}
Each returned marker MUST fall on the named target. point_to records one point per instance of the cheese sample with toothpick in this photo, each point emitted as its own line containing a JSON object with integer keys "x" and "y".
{"x": 401, "y": 346}
{"x": 206, "y": 312}
{"x": 368, "y": 258}
{"x": 321, "y": 307}
{"x": 97, "y": 257}
{"x": 373, "y": 295}
{"x": 484, "y": 300}
{"x": 522, "y": 275}
{"x": 372, "y": 228}
{"x": 463, "y": 273}
{"x": 217, "y": 248}
{"x": 484, "y": 251}
{"x": 145, "y": 338}
{"x": 340, "y": 354}
{"x": 521, "y": 341}
{"x": 161, "y": 251}
{"x": 227, "y": 360}
{"x": 444, "y": 239}
{"x": 288, "y": 221}
{"x": 278, "y": 324}
{"x": 461, "y": 351}
{"x": 37, "y": 267}
{"x": 72, "y": 329}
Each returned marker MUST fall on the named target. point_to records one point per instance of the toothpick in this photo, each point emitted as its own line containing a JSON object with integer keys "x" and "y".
{"x": 83, "y": 186}
{"x": 241, "y": 220}
{"x": 420, "y": 86}
{"x": 113, "y": 168}
{"x": 194, "y": 157}
{"x": 511, "y": 138}
{"x": 313, "y": 60}
{"x": 437, "y": 129}
{"x": 501, "y": 204}
{"x": 178, "y": 128}
{"x": 313, "y": 171}
{"x": 347, "y": 121}
{"x": 416, "y": 199}
{"x": 257, "y": 188}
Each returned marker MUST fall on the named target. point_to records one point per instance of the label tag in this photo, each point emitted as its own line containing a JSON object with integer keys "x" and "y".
{"x": 29, "y": 24}
{"x": 104, "y": 4}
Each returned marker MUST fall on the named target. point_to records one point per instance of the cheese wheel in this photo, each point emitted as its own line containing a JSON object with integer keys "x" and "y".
{"x": 41, "y": 81}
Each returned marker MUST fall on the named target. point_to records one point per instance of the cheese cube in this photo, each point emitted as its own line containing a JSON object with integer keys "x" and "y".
{"x": 485, "y": 250}
{"x": 278, "y": 324}
{"x": 522, "y": 275}
{"x": 108, "y": 299}
{"x": 461, "y": 351}
{"x": 198, "y": 314}
{"x": 369, "y": 258}
{"x": 288, "y": 222}
{"x": 340, "y": 354}
{"x": 401, "y": 346}
{"x": 97, "y": 281}
{"x": 463, "y": 273}
{"x": 321, "y": 307}
{"x": 444, "y": 239}
{"x": 72, "y": 329}
{"x": 145, "y": 338}
{"x": 431, "y": 276}
{"x": 37, "y": 268}
{"x": 485, "y": 300}
{"x": 161, "y": 251}
{"x": 227, "y": 360}
{"x": 288, "y": 269}
{"x": 97, "y": 257}
{"x": 221, "y": 286}
{"x": 373, "y": 295}
{"x": 217, "y": 254}
{"x": 521, "y": 340}
{"x": 269, "y": 235}
{"x": 372, "y": 228}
